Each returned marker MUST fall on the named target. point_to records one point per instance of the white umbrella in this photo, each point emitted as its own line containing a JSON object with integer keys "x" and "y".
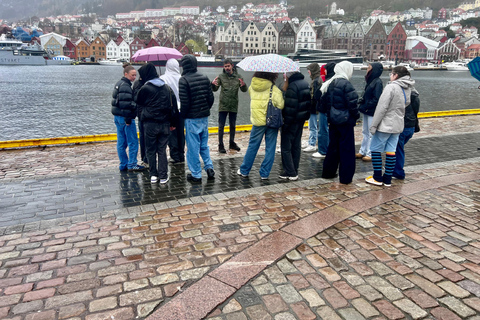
{"x": 268, "y": 63}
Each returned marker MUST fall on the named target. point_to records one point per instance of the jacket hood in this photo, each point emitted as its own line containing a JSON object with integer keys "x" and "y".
{"x": 189, "y": 64}
{"x": 314, "y": 70}
{"x": 329, "y": 67}
{"x": 259, "y": 84}
{"x": 296, "y": 76}
{"x": 404, "y": 82}
{"x": 172, "y": 66}
{"x": 376, "y": 72}
{"x": 148, "y": 72}
{"x": 157, "y": 82}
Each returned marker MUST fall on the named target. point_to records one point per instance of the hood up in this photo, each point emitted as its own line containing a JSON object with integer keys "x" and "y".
{"x": 189, "y": 64}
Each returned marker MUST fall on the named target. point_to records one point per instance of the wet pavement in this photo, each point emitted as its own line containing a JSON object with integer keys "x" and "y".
{"x": 80, "y": 240}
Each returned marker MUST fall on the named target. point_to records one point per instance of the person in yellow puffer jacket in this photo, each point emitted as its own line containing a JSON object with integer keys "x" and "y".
{"x": 259, "y": 92}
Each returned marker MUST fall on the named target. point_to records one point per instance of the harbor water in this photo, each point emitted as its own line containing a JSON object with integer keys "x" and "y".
{"x": 61, "y": 101}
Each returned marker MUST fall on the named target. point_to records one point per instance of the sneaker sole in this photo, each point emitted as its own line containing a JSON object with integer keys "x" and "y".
{"x": 374, "y": 182}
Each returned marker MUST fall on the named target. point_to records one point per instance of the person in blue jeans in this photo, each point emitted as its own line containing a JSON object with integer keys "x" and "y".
{"x": 196, "y": 100}
{"x": 411, "y": 126}
{"x": 262, "y": 84}
{"x": 124, "y": 111}
{"x": 323, "y": 133}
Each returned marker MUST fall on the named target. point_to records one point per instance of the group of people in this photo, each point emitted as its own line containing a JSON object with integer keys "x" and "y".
{"x": 174, "y": 108}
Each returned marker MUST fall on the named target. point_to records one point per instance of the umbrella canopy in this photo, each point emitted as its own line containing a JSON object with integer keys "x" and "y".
{"x": 474, "y": 67}
{"x": 268, "y": 63}
{"x": 156, "y": 54}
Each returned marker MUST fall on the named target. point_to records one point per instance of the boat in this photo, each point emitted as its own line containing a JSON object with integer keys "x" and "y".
{"x": 456, "y": 66}
{"x": 111, "y": 62}
{"x": 428, "y": 66}
{"x": 60, "y": 60}
{"x": 15, "y": 52}
{"x": 406, "y": 65}
{"x": 307, "y": 56}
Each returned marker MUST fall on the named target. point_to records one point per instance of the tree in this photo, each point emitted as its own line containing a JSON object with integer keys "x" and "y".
{"x": 197, "y": 45}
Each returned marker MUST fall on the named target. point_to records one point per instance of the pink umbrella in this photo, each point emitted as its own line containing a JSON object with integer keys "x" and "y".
{"x": 156, "y": 54}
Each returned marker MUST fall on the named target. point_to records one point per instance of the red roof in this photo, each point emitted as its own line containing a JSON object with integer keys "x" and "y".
{"x": 420, "y": 45}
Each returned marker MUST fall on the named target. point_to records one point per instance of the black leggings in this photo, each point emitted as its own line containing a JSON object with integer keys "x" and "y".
{"x": 222, "y": 119}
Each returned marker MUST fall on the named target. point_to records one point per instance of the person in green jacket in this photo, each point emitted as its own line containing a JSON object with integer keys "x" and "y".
{"x": 230, "y": 81}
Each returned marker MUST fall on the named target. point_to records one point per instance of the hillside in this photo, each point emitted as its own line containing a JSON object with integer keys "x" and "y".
{"x": 14, "y": 10}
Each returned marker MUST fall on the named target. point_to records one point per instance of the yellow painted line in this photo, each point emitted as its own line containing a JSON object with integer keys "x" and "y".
{"x": 113, "y": 137}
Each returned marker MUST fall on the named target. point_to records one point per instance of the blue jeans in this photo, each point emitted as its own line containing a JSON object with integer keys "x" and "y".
{"x": 313, "y": 128}
{"x": 256, "y": 136}
{"x": 384, "y": 142}
{"x": 323, "y": 138}
{"x": 398, "y": 171}
{"x": 197, "y": 145}
{"x": 126, "y": 137}
{"x": 367, "y": 136}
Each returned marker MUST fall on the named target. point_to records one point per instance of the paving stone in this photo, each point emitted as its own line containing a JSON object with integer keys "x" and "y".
{"x": 470, "y": 286}
{"x": 411, "y": 308}
{"x": 312, "y": 297}
{"x": 386, "y": 308}
{"x": 103, "y": 304}
{"x": 389, "y": 291}
{"x": 426, "y": 285}
{"x": 144, "y": 309}
{"x": 364, "y": 307}
{"x": 369, "y": 292}
{"x": 258, "y": 312}
{"x": 32, "y": 306}
{"x": 350, "y": 313}
{"x": 274, "y": 303}
{"x": 457, "y": 306}
{"x": 71, "y": 311}
{"x": 421, "y": 298}
{"x": 289, "y": 294}
{"x": 453, "y": 289}
{"x": 232, "y": 306}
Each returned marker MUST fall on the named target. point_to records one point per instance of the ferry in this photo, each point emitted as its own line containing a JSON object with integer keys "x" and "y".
{"x": 456, "y": 66}
{"x": 306, "y": 56}
{"x": 60, "y": 60}
{"x": 111, "y": 62}
{"x": 15, "y": 52}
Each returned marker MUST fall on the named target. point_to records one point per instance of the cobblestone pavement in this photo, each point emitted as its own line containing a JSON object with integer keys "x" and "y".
{"x": 312, "y": 249}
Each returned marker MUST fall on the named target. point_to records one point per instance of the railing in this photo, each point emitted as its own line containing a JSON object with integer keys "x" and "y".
{"x": 15, "y": 144}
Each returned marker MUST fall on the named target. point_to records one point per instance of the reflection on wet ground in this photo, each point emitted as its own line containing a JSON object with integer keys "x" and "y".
{"x": 40, "y": 199}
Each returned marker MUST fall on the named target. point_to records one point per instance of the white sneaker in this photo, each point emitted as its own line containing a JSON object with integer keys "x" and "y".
{"x": 310, "y": 149}
{"x": 293, "y": 178}
{"x": 154, "y": 179}
{"x": 163, "y": 181}
{"x": 241, "y": 174}
{"x": 305, "y": 144}
{"x": 318, "y": 155}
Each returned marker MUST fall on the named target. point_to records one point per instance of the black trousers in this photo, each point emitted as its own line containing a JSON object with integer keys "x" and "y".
{"x": 291, "y": 147}
{"x": 222, "y": 119}
{"x": 141, "y": 130}
{"x": 176, "y": 142}
{"x": 340, "y": 154}
{"x": 156, "y": 138}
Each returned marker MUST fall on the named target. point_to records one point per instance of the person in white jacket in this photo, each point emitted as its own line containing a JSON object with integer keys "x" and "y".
{"x": 176, "y": 141}
{"x": 387, "y": 124}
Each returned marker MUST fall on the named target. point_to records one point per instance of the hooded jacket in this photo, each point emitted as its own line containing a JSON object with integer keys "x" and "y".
{"x": 330, "y": 69}
{"x": 340, "y": 93}
{"x": 123, "y": 103}
{"x": 411, "y": 111}
{"x": 195, "y": 91}
{"x": 297, "y": 100}
{"x": 259, "y": 92}
{"x": 373, "y": 90}
{"x": 172, "y": 77}
{"x": 156, "y": 99}
{"x": 390, "y": 112}
{"x": 230, "y": 84}
{"x": 317, "y": 80}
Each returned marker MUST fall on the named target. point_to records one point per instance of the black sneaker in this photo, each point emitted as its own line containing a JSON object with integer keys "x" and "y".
{"x": 137, "y": 168}
{"x": 173, "y": 161}
{"x": 234, "y": 146}
{"x": 193, "y": 179}
{"x": 221, "y": 148}
{"x": 210, "y": 174}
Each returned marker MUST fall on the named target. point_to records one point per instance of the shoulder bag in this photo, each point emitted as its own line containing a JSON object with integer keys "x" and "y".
{"x": 274, "y": 115}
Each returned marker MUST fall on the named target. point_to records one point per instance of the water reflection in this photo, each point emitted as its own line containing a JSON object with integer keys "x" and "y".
{"x": 75, "y": 100}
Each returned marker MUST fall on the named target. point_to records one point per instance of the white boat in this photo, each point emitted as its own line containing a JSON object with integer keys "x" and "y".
{"x": 456, "y": 66}
{"x": 60, "y": 60}
{"x": 14, "y": 52}
{"x": 111, "y": 62}
{"x": 406, "y": 65}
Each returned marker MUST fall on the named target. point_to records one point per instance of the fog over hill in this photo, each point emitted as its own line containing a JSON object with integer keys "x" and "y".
{"x": 13, "y": 10}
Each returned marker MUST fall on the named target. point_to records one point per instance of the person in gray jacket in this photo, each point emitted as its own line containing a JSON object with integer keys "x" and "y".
{"x": 388, "y": 123}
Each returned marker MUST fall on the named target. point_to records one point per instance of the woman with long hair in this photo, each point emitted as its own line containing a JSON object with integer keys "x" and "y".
{"x": 388, "y": 123}
{"x": 262, "y": 84}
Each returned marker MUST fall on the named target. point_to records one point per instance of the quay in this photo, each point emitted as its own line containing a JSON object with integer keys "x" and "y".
{"x": 81, "y": 240}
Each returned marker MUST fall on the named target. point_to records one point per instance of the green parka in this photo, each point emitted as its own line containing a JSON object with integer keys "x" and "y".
{"x": 229, "y": 93}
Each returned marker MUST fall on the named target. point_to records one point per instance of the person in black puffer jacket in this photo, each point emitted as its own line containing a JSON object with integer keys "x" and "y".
{"x": 339, "y": 93}
{"x": 159, "y": 114}
{"x": 367, "y": 105}
{"x": 196, "y": 99}
{"x": 295, "y": 112}
{"x": 124, "y": 111}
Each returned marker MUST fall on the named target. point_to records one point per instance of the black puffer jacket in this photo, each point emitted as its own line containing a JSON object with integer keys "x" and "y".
{"x": 411, "y": 111}
{"x": 297, "y": 100}
{"x": 156, "y": 100}
{"x": 373, "y": 90}
{"x": 122, "y": 102}
{"x": 342, "y": 95}
{"x": 195, "y": 90}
